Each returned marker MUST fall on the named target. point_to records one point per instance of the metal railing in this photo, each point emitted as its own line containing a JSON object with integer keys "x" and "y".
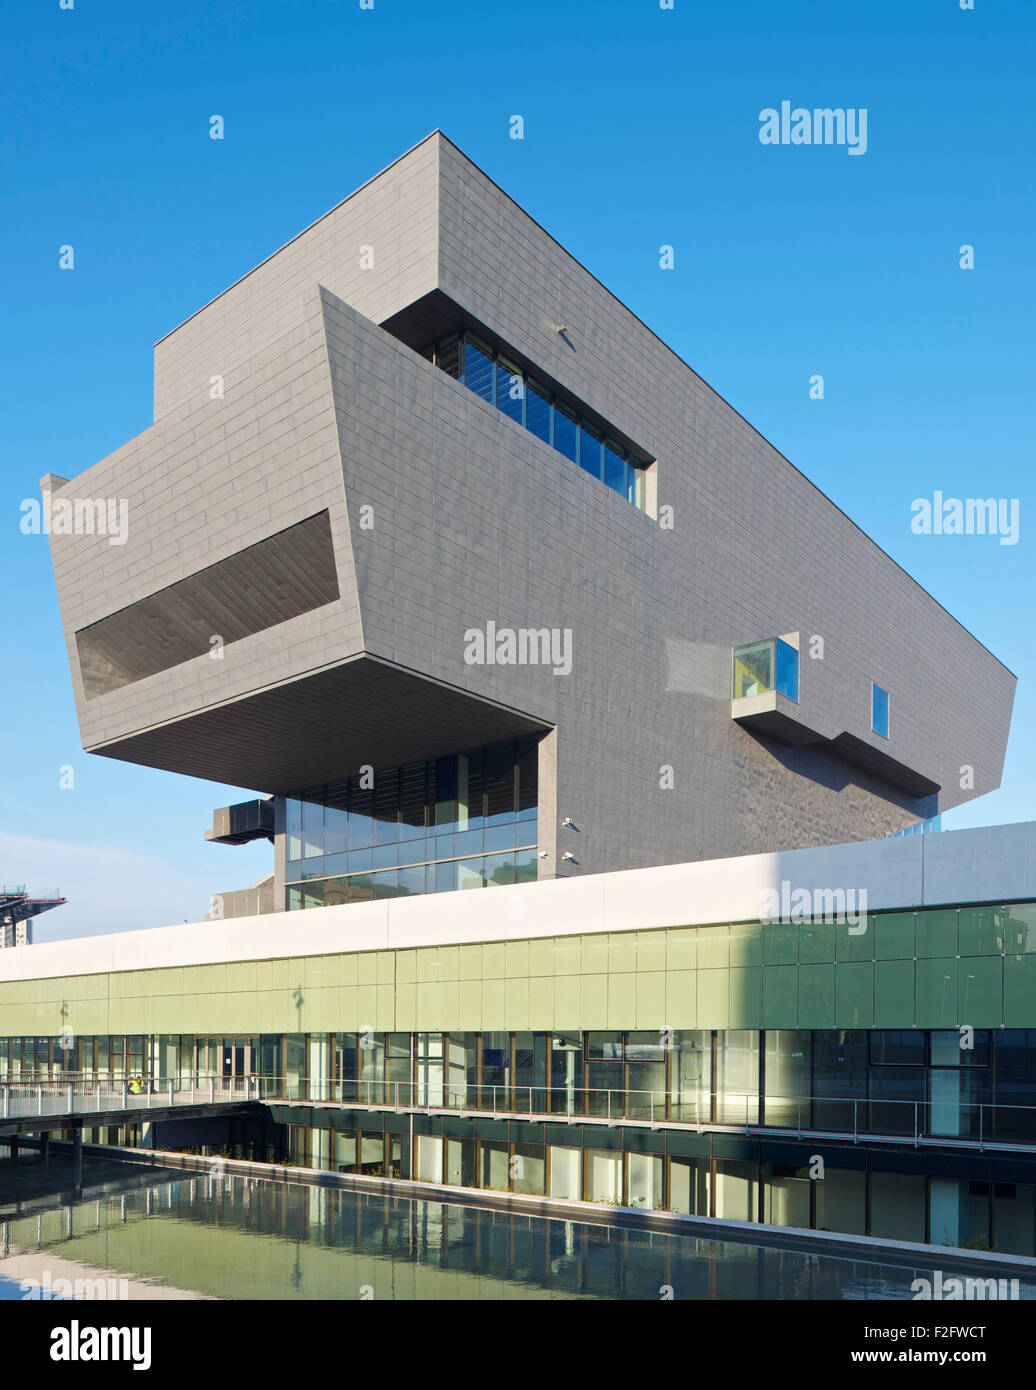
{"x": 79, "y": 1095}
{"x": 973, "y": 1122}
{"x": 967, "y": 1121}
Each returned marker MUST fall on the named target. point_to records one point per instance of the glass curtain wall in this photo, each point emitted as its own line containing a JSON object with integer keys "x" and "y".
{"x": 874, "y": 1081}
{"x": 464, "y": 821}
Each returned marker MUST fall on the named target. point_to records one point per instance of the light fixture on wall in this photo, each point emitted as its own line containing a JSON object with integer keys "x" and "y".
{"x": 567, "y": 820}
{"x": 568, "y": 854}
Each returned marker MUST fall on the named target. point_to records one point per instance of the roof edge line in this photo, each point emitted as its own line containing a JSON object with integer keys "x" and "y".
{"x": 309, "y": 227}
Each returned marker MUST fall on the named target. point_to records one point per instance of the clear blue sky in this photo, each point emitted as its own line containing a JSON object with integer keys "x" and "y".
{"x": 641, "y": 128}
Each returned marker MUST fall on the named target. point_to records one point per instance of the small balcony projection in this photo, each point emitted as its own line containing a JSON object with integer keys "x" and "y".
{"x": 765, "y": 700}
{"x": 765, "y": 694}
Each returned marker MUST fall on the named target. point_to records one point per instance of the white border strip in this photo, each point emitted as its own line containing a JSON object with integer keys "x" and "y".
{"x": 992, "y": 864}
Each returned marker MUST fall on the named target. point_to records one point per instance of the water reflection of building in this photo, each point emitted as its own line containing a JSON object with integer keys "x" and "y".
{"x": 199, "y": 1237}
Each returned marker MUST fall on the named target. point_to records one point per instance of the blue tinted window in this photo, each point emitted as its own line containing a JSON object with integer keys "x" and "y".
{"x": 537, "y": 411}
{"x": 787, "y": 670}
{"x": 614, "y": 469}
{"x": 590, "y": 451}
{"x": 566, "y": 432}
{"x": 503, "y": 384}
{"x": 880, "y": 711}
{"x": 500, "y": 837}
{"x": 478, "y": 370}
{"x": 510, "y": 392}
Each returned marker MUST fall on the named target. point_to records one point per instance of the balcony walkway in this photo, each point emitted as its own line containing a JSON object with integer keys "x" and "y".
{"x": 27, "y": 1108}
{"x": 46, "y": 1106}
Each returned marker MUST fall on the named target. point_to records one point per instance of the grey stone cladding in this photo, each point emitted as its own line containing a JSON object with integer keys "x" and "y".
{"x": 445, "y": 516}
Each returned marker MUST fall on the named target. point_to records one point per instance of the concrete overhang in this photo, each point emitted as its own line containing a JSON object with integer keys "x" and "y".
{"x": 283, "y": 738}
{"x": 897, "y": 774}
{"x": 775, "y": 716}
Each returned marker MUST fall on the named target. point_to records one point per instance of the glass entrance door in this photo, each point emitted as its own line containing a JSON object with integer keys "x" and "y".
{"x": 236, "y": 1062}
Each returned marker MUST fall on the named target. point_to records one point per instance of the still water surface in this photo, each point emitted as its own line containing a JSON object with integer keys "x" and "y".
{"x": 146, "y": 1233}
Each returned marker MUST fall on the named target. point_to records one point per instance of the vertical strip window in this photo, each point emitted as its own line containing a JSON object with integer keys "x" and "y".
{"x": 312, "y": 823}
{"x": 614, "y": 467}
{"x": 637, "y": 493}
{"x": 361, "y": 817}
{"x": 412, "y": 801}
{"x": 566, "y": 432}
{"x": 447, "y": 356}
{"x": 479, "y": 369}
{"x": 537, "y": 411}
{"x": 787, "y": 670}
{"x": 510, "y": 391}
{"x": 386, "y": 809}
{"x": 293, "y": 817}
{"x": 880, "y": 711}
{"x": 336, "y": 818}
{"x": 591, "y": 452}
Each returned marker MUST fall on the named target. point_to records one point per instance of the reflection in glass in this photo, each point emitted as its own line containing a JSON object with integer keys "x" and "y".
{"x": 469, "y": 873}
{"x": 510, "y": 391}
{"x": 312, "y": 829}
{"x": 763, "y": 666}
{"x": 566, "y": 433}
{"x": 880, "y": 711}
{"x": 537, "y": 411}
{"x": 614, "y": 469}
{"x": 787, "y": 670}
{"x": 480, "y": 805}
{"x": 590, "y": 452}
{"x": 566, "y": 1172}
{"x": 753, "y": 669}
{"x": 478, "y": 369}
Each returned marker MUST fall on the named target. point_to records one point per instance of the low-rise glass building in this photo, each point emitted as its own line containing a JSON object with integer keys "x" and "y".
{"x": 867, "y": 1072}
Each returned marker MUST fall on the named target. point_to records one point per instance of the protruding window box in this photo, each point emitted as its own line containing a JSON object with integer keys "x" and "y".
{"x": 237, "y": 825}
{"x": 765, "y": 678}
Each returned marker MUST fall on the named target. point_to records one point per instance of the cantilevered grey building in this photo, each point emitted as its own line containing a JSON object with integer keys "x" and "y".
{"x": 439, "y": 549}
{"x": 419, "y": 486}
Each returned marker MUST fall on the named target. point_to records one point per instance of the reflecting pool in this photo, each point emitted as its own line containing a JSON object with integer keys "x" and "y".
{"x": 155, "y": 1234}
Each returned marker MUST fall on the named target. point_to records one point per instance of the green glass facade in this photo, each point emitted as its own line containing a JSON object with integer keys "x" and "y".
{"x": 935, "y": 968}
{"x": 681, "y": 1067}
